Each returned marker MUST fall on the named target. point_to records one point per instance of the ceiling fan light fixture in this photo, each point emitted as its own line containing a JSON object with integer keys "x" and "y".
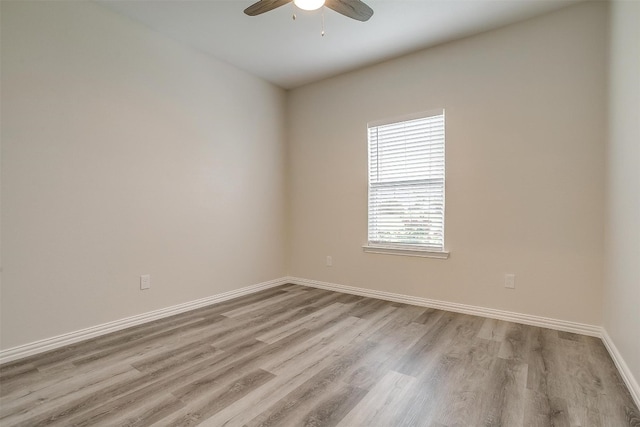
{"x": 309, "y": 4}
{"x": 354, "y": 9}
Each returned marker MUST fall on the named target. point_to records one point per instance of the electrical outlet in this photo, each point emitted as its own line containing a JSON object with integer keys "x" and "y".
{"x": 145, "y": 281}
{"x": 510, "y": 281}
{"x": 329, "y": 261}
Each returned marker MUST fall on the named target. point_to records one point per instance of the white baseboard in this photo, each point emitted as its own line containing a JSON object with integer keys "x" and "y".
{"x": 527, "y": 319}
{"x": 47, "y": 344}
{"x": 623, "y": 368}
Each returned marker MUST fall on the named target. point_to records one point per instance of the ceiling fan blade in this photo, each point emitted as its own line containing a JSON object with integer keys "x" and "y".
{"x": 352, "y": 8}
{"x": 263, "y": 6}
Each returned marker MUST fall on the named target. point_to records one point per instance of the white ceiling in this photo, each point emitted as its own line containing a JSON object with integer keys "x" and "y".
{"x": 292, "y": 53}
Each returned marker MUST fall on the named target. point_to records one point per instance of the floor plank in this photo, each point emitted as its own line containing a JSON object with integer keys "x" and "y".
{"x": 299, "y": 356}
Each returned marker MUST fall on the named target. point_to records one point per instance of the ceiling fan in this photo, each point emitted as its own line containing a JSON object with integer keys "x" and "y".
{"x": 354, "y": 9}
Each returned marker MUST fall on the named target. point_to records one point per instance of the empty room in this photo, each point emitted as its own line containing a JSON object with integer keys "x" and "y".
{"x": 320, "y": 213}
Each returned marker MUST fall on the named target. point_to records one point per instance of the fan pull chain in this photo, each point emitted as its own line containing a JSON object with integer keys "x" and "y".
{"x": 293, "y": 6}
{"x": 322, "y": 22}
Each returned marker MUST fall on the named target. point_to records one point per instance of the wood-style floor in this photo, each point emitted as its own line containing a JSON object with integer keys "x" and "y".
{"x": 297, "y": 356}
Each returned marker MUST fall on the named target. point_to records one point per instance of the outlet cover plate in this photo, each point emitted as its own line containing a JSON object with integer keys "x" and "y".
{"x": 510, "y": 281}
{"x": 145, "y": 281}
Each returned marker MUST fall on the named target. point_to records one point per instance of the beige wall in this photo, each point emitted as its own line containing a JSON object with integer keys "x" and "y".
{"x": 622, "y": 266}
{"x": 526, "y": 122}
{"x": 124, "y": 153}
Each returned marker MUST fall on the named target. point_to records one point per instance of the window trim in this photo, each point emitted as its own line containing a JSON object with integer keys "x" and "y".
{"x": 404, "y": 250}
{"x": 399, "y": 249}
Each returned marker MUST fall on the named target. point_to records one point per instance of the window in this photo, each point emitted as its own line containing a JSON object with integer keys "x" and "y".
{"x": 406, "y": 185}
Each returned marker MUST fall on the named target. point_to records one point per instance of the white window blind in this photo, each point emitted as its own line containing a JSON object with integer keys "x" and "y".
{"x": 406, "y": 182}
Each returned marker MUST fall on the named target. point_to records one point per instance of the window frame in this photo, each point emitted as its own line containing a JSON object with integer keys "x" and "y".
{"x": 390, "y": 248}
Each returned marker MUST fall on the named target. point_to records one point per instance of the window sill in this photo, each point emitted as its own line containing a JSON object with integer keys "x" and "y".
{"x": 401, "y": 250}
